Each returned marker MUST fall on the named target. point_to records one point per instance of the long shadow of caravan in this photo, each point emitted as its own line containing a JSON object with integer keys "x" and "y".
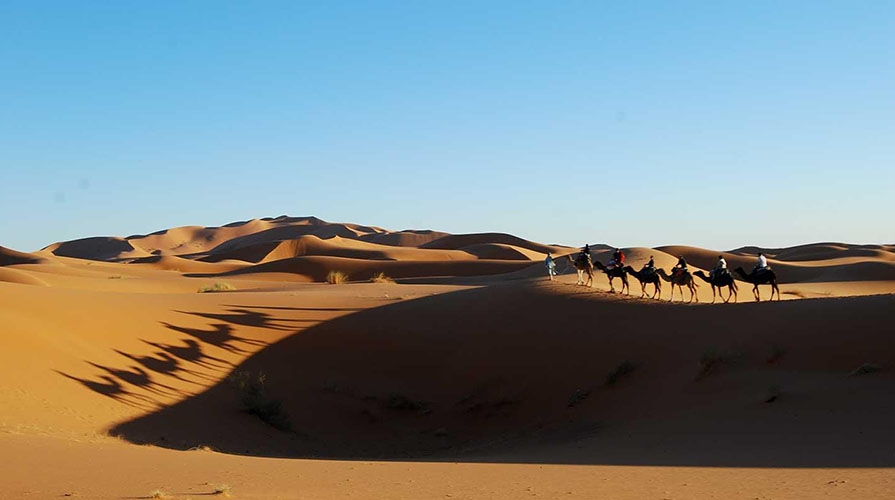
{"x": 545, "y": 374}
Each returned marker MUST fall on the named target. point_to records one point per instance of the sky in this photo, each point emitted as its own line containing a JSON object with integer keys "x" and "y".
{"x": 717, "y": 124}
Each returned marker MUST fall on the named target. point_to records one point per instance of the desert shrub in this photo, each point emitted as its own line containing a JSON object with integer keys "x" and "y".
{"x": 221, "y": 489}
{"x": 774, "y": 392}
{"x": 578, "y": 396}
{"x": 381, "y": 278}
{"x": 217, "y": 287}
{"x": 864, "y": 369}
{"x": 712, "y": 360}
{"x": 336, "y": 277}
{"x": 397, "y": 401}
{"x": 624, "y": 368}
{"x": 254, "y": 399}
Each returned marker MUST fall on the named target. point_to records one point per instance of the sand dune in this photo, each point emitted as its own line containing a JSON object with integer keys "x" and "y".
{"x": 405, "y": 238}
{"x": 501, "y": 370}
{"x": 316, "y": 268}
{"x": 98, "y": 248}
{"x": 457, "y": 241}
{"x": 334, "y": 246}
{"x": 9, "y": 257}
{"x": 472, "y": 356}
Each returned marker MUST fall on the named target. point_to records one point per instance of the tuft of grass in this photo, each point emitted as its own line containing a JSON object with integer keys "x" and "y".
{"x": 712, "y": 360}
{"x": 381, "y": 278}
{"x": 624, "y": 368}
{"x": 865, "y": 369}
{"x": 222, "y": 489}
{"x": 774, "y": 392}
{"x": 203, "y": 447}
{"x": 115, "y": 277}
{"x": 578, "y": 396}
{"x": 398, "y": 401}
{"x": 253, "y": 396}
{"x": 158, "y": 493}
{"x": 217, "y": 287}
{"x": 336, "y": 277}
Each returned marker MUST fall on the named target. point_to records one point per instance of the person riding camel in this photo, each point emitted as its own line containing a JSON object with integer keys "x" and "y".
{"x": 649, "y": 267}
{"x": 762, "y": 264}
{"x": 618, "y": 259}
{"x": 584, "y": 256}
{"x": 681, "y": 266}
{"x": 719, "y": 269}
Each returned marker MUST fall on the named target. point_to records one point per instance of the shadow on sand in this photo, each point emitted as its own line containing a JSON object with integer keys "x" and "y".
{"x": 517, "y": 373}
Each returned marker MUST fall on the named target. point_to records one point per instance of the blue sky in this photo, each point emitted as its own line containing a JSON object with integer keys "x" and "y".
{"x": 716, "y": 124}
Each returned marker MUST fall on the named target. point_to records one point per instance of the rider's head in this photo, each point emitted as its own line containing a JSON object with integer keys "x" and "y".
{"x": 760, "y": 254}
{"x": 720, "y": 256}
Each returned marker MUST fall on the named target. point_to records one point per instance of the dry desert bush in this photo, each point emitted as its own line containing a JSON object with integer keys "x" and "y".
{"x": 381, "y": 278}
{"x": 624, "y": 368}
{"x": 336, "y": 277}
{"x": 217, "y": 287}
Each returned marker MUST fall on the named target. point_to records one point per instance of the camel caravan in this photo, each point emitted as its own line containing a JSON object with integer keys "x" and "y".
{"x": 720, "y": 277}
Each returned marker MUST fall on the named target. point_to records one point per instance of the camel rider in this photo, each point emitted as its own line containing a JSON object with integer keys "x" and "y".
{"x": 720, "y": 267}
{"x": 551, "y": 266}
{"x": 585, "y": 254}
{"x": 618, "y": 259}
{"x": 681, "y": 266}
{"x": 762, "y": 264}
{"x": 650, "y": 266}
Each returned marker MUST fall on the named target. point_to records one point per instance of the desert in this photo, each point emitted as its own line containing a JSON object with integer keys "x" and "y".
{"x": 200, "y": 359}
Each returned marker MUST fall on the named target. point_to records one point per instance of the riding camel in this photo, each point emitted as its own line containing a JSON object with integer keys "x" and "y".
{"x": 584, "y": 267}
{"x": 766, "y": 277}
{"x": 681, "y": 279}
{"x": 719, "y": 281}
{"x": 646, "y": 278}
{"x": 616, "y": 272}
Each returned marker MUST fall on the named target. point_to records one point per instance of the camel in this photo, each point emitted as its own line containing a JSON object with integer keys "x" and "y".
{"x": 720, "y": 281}
{"x": 613, "y": 273}
{"x": 680, "y": 280}
{"x": 646, "y": 278}
{"x": 763, "y": 278}
{"x": 584, "y": 266}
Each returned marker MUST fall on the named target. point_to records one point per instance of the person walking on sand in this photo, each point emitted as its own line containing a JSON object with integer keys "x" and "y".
{"x": 551, "y": 266}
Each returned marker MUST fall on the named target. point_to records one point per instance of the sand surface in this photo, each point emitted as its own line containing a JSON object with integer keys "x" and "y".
{"x": 472, "y": 376}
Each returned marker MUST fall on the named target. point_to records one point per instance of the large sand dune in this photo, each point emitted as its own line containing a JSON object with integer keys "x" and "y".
{"x": 471, "y": 357}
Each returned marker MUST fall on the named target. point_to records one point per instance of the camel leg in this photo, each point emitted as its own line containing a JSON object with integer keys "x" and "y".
{"x": 693, "y": 292}
{"x": 756, "y": 293}
{"x": 713, "y": 294}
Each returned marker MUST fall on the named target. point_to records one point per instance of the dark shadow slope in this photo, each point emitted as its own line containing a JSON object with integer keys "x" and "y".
{"x": 549, "y": 373}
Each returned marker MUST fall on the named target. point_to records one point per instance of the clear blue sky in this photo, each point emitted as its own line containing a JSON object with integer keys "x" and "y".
{"x": 717, "y": 124}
